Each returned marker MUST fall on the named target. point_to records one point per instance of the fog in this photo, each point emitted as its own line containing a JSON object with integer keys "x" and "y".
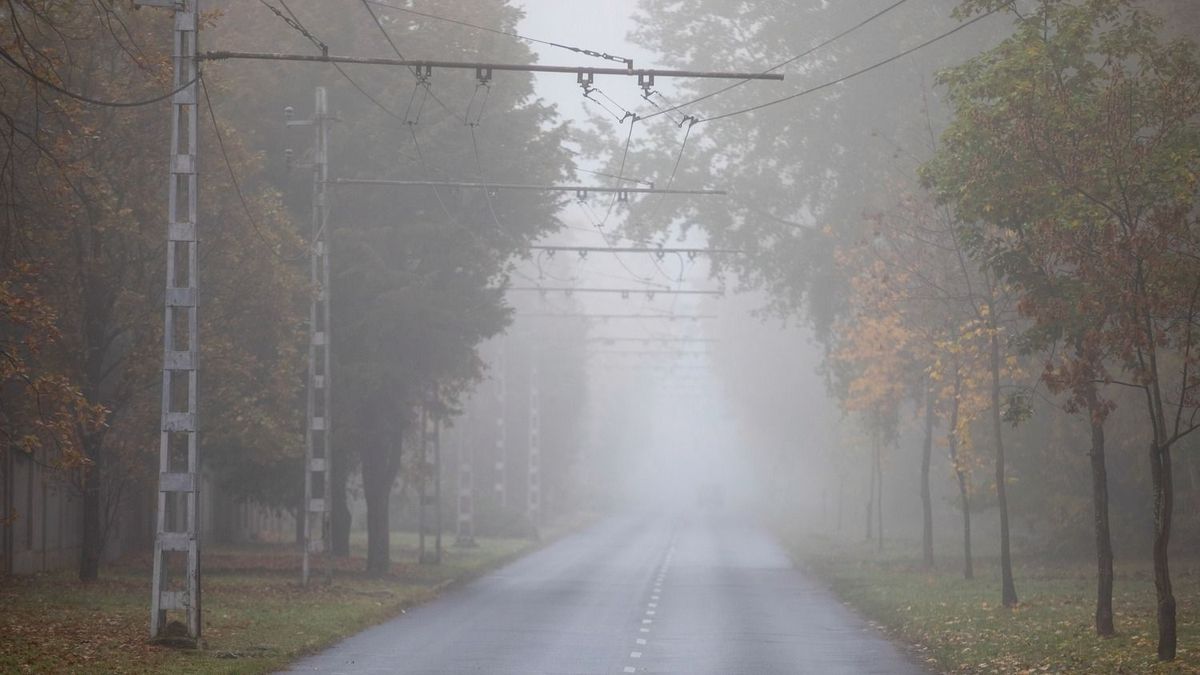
{"x": 884, "y": 315}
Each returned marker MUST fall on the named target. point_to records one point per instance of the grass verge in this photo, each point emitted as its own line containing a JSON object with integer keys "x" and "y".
{"x": 959, "y": 626}
{"x": 257, "y": 618}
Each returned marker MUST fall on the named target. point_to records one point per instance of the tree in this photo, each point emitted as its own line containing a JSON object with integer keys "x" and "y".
{"x": 417, "y": 273}
{"x": 792, "y": 168}
{"x": 914, "y": 300}
{"x": 87, "y": 209}
{"x": 42, "y": 412}
{"x": 1077, "y": 140}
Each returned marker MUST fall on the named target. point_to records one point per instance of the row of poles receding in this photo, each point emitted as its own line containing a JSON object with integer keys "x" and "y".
{"x": 178, "y": 528}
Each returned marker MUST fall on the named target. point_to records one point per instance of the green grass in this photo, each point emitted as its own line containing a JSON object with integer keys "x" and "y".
{"x": 959, "y": 626}
{"x": 257, "y": 618}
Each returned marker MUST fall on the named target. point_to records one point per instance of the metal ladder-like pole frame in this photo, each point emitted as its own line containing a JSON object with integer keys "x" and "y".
{"x": 501, "y": 466}
{"x": 465, "y": 506}
{"x": 178, "y": 520}
{"x": 429, "y": 488}
{"x": 533, "y": 502}
{"x": 318, "y": 448}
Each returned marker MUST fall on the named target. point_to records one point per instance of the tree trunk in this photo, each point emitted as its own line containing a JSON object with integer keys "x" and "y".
{"x": 340, "y": 520}
{"x": 1160, "y": 474}
{"x": 926, "y": 497}
{"x": 92, "y": 544}
{"x": 1104, "y": 553}
{"x": 960, "y": 472}
{"x": 301, "y": 515}
{"x": 377, "y": 489}
{"x": 1008, "y": 592}
{"x": 1164, "y": 496}
{"x": 1194, "y": 480}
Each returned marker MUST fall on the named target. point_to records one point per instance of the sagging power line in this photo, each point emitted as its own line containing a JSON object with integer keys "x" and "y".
{"x": 513, "y": 34}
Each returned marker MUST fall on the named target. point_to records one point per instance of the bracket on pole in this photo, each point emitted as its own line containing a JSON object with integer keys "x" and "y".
{"x": 646, "y": 82}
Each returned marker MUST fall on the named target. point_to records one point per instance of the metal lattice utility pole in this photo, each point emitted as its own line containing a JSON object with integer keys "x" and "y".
{"x": 177, "y": 533}
{"x": 429, "y": 489}
{"x": 533, "y": 502}
{"x": 318, "y": 446}
{"x": 465, "y": 506}
{"x": 437, "y": 489}
{"x": 501, "y": 428}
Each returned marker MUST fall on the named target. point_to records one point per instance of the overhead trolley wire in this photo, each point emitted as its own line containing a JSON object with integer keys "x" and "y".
{"x": 237, "y": 188}
{"x": 423, "y": 81}
{"x": 788, "y": 61}
{"x": 640, "y": 181}
{"x": 862, "y": 71}
{"x": 294, "y": 22}
{"x": 512, "y": 34}
{"x": 88, "y": 99}
{"x": 620, "y": 170}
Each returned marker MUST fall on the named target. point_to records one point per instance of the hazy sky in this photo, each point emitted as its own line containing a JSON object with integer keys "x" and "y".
{"x": 599, "y": 26}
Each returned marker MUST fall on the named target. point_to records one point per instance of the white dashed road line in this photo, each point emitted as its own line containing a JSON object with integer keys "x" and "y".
{"x": 652, "y": 606}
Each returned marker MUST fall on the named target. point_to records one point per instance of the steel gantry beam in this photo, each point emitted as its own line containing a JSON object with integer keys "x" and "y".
{"x": 646, "y": 352}
{"x": 177, "y": 531}
{"x": 580, "y": 191}
{"x": 659, "y": 251}
{"x": 649, "y": 340}
{"x": 607, "y": 317}
{"x": 623, "y": 292}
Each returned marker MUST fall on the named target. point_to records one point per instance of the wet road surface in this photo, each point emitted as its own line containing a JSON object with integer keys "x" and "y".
{"x": 697, "y": 594}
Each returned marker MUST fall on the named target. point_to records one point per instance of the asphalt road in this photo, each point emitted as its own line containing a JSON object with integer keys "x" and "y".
{"x": 694, "y": 594}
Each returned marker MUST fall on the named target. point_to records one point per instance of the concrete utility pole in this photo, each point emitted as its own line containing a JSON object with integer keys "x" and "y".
{"x": 501, "y": 428}
{"x": 429, "y": 489}
{"x": 318, "y": 446}
{"x": 177, "y": 532}
{"x": 437, "y": 489}
{"x": 465, "y": 506}
{"x": 533, "y": 504}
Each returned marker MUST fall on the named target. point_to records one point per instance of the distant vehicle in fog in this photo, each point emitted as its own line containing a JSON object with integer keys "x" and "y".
{"x": 710, "y": 496}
